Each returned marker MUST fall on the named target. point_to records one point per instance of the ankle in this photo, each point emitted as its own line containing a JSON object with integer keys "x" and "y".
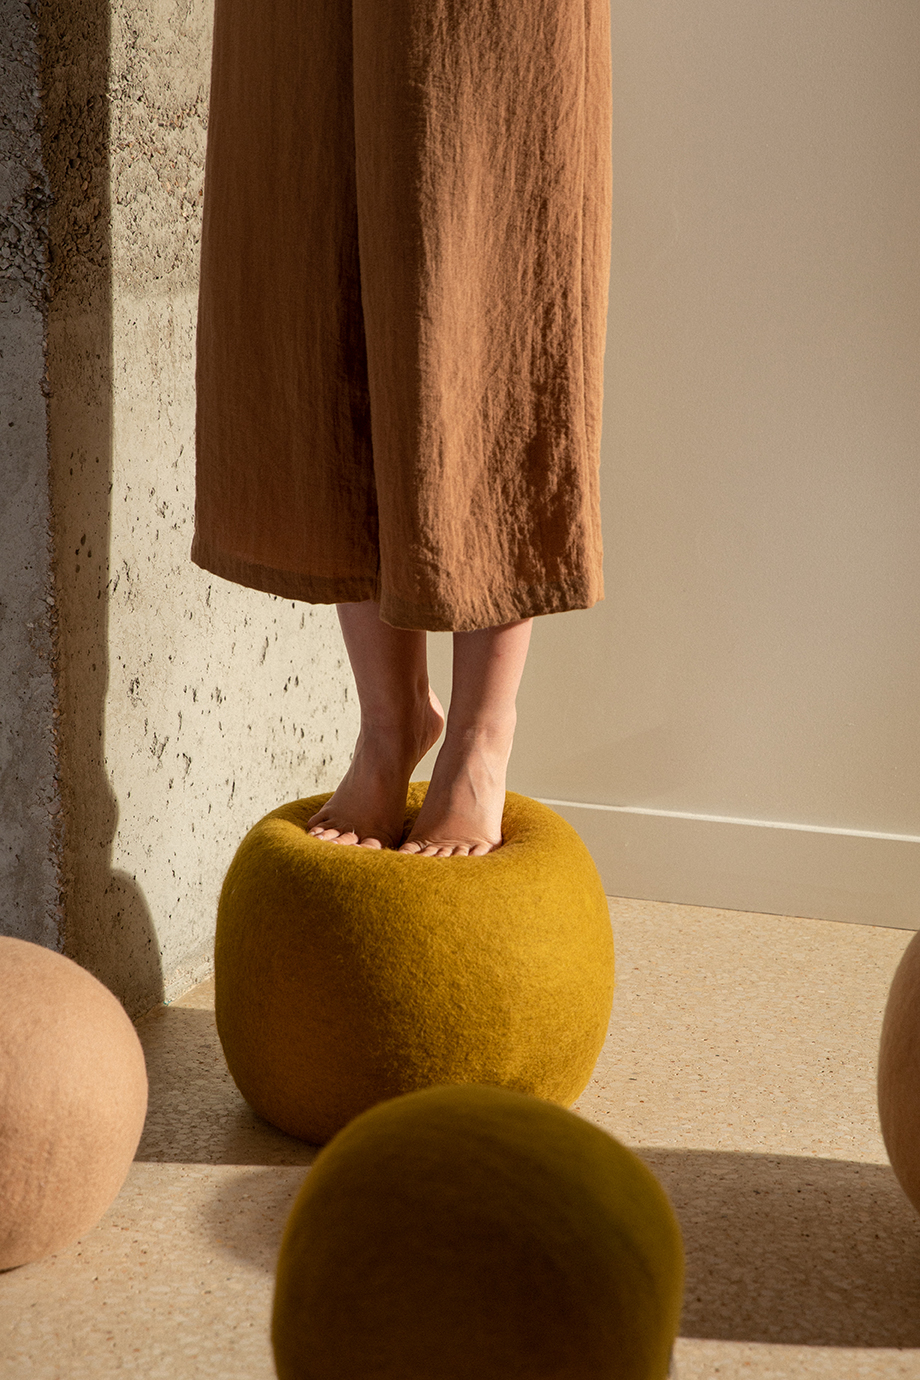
{"x": 394, "y": 716}
{"x": 495, "y": 732}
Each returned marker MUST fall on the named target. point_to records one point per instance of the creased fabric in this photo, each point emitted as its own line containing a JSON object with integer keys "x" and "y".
{"x": 402, "y": 309}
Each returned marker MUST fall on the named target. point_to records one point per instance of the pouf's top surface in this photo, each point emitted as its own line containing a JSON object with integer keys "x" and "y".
{"x": 474, "y": 1231}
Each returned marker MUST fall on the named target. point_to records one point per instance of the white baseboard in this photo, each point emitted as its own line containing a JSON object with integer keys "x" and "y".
{"x": 754, "y": 865}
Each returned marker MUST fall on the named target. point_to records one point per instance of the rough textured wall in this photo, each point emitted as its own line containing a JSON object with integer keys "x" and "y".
{"x": 189, "y": 706}
{"x": 29, "y": 797}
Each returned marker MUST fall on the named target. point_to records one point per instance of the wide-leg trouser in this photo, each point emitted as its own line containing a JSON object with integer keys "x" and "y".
{"x": 402, "y": 309}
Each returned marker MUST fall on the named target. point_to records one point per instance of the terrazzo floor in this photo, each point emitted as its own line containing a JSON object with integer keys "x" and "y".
{"x": 740, "y": 1063}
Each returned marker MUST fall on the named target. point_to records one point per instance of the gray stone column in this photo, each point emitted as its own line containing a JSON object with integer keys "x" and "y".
{"x": 150, "y": 713}
{"x": 30, "y": 805}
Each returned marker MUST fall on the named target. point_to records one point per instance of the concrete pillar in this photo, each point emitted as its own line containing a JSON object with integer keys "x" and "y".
{"x": 151, "y": 713}
{"x": 30, "y": 806}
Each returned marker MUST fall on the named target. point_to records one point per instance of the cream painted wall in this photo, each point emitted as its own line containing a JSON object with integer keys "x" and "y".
{"x": 757, "y": 657}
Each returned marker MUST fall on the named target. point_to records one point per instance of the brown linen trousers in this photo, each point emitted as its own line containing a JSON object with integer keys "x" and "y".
{"x": 404, "y": 281}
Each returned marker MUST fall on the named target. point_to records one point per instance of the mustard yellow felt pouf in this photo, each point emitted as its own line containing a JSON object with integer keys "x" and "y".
{"x": 73, "y": 1096}
{"x": 471, "y": 1231}
{"x": 345, "y": 976}
{"x": 899, "y": 1073}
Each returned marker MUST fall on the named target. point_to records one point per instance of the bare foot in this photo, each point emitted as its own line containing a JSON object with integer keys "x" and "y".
{"x": 368, "y": 808}
{"x": 461, "y": 815}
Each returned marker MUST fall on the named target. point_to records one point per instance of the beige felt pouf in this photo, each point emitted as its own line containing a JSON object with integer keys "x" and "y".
{"x": 899, "y": 1073}
{"x": 345, "y": 976}
{"x": 73, "y": 1096}
{"x": 471, "y": 1231}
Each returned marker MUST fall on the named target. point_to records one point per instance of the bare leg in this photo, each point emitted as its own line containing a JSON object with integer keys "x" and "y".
{"x": 462, "y": 812}
{"x": 400, "y": 719}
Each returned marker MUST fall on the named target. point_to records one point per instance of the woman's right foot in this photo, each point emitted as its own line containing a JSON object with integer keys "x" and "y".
{"x": 368, "y": 807}
{"x": 461, "y": 815}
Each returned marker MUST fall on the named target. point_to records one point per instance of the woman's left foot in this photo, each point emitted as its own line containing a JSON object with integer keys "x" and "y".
{"x": 461, "y": 815}
{"x": 368, "y": 808}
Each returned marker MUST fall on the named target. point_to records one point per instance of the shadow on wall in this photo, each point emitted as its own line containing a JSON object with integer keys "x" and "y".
{"x": 108, "y": 927}
{"x": 792, "y": 1250}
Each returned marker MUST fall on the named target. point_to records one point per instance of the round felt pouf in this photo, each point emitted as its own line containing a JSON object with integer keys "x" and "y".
{"x": 899, "y": 1073}
{"x": 471, "y": 1231}
{"x": 345, "y": 976}
{"x": 73, "y": 1096}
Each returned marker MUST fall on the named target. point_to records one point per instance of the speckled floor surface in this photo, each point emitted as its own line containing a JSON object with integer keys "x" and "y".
{"x": 740, "y": 1062}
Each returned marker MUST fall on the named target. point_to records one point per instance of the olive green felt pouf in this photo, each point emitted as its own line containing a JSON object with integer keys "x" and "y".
{"x": 899, "y": 1073}
{"x": 345, "y": 976}
{"x": 471, "y": 1231}
{"x": 73, "y": 1096}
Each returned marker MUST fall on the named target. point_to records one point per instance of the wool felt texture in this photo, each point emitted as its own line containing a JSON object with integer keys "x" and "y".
{"x": 472, "y": 1231}
{"x": 404, "y": 278}
{"x": 346, "y": 975}
{"x": 73, "y": 1097}
{"x": 899, "y": 1073}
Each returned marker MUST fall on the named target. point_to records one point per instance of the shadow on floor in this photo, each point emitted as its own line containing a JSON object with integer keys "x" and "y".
{"x": 780, "y": 1249}
{"x": 794, "y": 1250}
{"x": 195, "y": 1114}
{"x": 247, "y": 1213}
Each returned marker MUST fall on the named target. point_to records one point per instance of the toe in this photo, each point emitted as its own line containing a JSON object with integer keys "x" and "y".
{"x": 329, "y": 833}
{"x": 423, "y": 849}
